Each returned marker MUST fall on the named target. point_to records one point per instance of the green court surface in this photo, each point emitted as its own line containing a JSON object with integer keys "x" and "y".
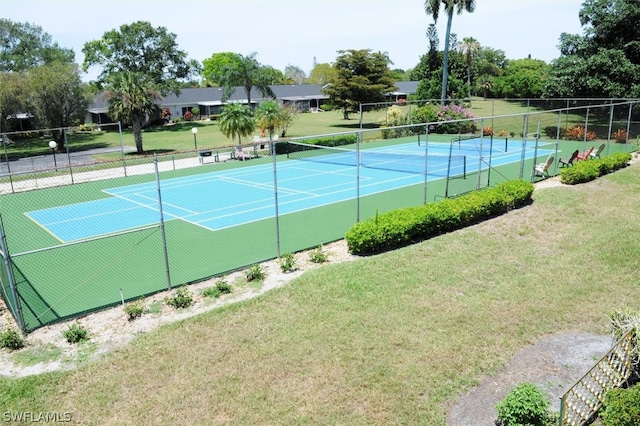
{"x": 60, "y": 281}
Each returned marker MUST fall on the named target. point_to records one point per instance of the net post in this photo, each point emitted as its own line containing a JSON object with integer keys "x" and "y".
{"x": 464, "y": 166}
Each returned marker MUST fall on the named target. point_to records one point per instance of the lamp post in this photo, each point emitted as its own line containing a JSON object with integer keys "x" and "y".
{"x": 194, "y": 130}
{"x": 53, "y": 145}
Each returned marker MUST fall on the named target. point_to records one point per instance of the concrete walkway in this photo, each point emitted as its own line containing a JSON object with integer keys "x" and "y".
{"x": 68, "y": 175}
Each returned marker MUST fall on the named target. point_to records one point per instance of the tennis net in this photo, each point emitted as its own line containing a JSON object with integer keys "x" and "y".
{"x": 478, "y": 144}
{"x": 378, "y": 159}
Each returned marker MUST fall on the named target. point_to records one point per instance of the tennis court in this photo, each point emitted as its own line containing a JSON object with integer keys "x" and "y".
{"x": 311, "y": 179}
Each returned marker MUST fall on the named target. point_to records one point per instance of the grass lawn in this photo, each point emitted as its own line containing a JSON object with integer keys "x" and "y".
{"x": 387, "y": 339}
{"x": 178, "y": 138}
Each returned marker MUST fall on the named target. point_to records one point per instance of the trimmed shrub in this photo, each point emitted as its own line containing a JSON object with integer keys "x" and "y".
{"x": 285, "y": 148}
{"x": 400, "y": 227}
{"x": 75, "y": 333}
{"x": 588, "y": 170}
{"x": 524, "y": 405}
{"x": 621, "y": 407}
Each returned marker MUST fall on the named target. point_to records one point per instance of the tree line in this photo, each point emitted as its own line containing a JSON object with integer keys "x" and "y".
{"x": 41, "y": 86}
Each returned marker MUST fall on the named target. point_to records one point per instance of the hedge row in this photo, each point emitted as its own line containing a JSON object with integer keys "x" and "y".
{"x": 400, "y": 227}
{"x": 338, "y": 140}
{"x": 586, "y": 171}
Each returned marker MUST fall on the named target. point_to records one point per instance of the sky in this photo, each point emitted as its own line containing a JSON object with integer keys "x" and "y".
{"x": 305, "y": 32}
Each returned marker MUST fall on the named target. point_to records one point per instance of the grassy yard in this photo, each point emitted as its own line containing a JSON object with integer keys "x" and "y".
{"x": 178, "y": 137}
{"x": 387, "y": 339}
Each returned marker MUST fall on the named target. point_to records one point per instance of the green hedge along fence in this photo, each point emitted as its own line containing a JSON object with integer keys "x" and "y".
{"x": 401, "y": 227}
{"x": 586, "y": 171}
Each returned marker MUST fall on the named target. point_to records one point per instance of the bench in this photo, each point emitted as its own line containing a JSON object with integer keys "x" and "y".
{"x": 208, "y": 153}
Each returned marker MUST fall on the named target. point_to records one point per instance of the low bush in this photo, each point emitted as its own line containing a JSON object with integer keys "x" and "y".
{"x": 11, "y": 339}
{"x": 621, "y": 407}
{"x": 181, "y": 298}
{"x": 134, "y": 309}
{"x": 620, "y": 136}
{"x": 403, "y": 226}
{"x": 577, "y": 133}
{"x": 255, "y": 273}
{"x": 525, "y": 405}
{"x": 288, "y": 262}
{"x": 588, "y": 170}
{"x": 223, "y": 286}
{"x": 211, "y": 292}
{"x": 75, "y": 333}
{"x": 318, "y": 255}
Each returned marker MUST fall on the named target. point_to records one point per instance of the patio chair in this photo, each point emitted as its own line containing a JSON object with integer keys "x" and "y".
{"x": 596, "y": 153}
{"x": 542, "y": 169}
{"x": 584, "y": 155}
{"x": 564, "y": 162}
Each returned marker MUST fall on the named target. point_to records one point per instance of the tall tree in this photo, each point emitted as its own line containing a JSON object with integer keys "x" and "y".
{"x": 14, "y": 87}
{"x": 141, "y": 48}
{"x": 322, "y": 74}
{"x": 132, "y": 98}
{"x": 362, "y": 76}
{"x": 213, "y": 67}
{"x": 605, "y": 61}
{"x": 522, "y": 78}
{"x": 236, "y": 120}
{"x": 138, "y": 53}
{"x": 470, "y": 48}
{"x": 294, "y": 75}
{"x": 248, "y": 73}
{"x": 431, "y": 61}
{"x": 59, "y": 97}
{"x": 24, "y": 46}
{"x": 432, "y": 7}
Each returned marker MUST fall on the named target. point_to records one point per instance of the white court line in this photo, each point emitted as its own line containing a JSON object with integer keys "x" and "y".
{"x": 258, "y": 185}
{"x": 88, "y": 216}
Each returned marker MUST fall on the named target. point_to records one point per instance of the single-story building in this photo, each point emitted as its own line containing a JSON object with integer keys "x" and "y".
{"x": 304, "y": 97}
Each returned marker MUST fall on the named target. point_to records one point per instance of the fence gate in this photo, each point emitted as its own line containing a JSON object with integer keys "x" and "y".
{"x": 585, "y": 398}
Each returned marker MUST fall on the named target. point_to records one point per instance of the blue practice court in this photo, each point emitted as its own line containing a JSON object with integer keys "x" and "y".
{"x": 227, "y": 198}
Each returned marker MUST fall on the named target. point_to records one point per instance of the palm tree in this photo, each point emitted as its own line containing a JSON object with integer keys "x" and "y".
{"x": 249, "y": 73}
{"x": 469, "y": 47}
{"x": 132, "y": 97}
{"x": 236, "y": 120}
{"x": 269, "y": 116}
{"x": 432, "y": 7}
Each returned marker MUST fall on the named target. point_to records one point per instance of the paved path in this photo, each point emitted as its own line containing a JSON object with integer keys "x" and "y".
{"x": 66, "y": 175}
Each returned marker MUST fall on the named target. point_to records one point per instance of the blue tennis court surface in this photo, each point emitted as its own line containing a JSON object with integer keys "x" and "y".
{"x": 229, "y": 198}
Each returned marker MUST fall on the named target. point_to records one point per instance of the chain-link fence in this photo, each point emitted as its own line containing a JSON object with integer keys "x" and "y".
{"x": 94, "y": 235}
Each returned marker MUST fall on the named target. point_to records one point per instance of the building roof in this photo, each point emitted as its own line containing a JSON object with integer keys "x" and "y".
{"x": 211, "y": 96}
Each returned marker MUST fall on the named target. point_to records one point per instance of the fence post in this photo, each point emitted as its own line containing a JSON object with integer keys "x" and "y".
{"x": 272, "y": 148}
{"x": 164, "y": 235}
{"x": 124, "y": 163}
{"x": 17, "y": 309}
{"x": 358, "y": 138}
